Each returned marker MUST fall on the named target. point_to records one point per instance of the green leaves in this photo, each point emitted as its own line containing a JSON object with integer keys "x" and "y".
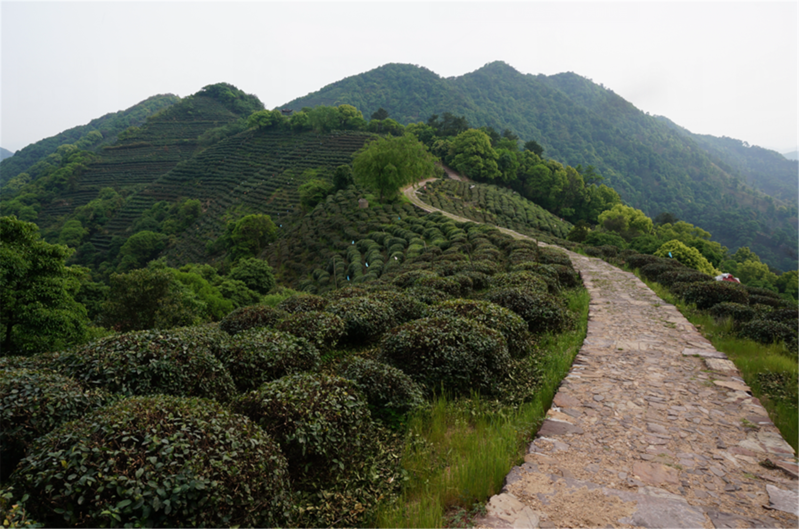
{"x": 386, "y": 164}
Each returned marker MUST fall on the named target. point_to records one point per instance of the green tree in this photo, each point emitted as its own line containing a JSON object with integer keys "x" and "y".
{"x": 250, "y": 235}
{"x": 473, "y": 155}
{"x": 342, "y": 177}
{"x": 325, "y": 119}
{"x": 757, "y": 274}
{"x": 148, "y": 298}
{"x": 351, "y": 117}
{"x": 788, "y": 283}
{"x": 313, "y": 192}
{"x": 380, "y": 114}
{"x": 386, "y": 164}
{"x": 626, "y": 221}
{"x": 141, "y": 248}
{"x": 264, "y": 119}
{"x": 534, "y": 147}
{"x": 255, "y": 273}
{"x": 38, "y": 311}
{"x": 72, "y": 233}
{"x": 688, "y": 256}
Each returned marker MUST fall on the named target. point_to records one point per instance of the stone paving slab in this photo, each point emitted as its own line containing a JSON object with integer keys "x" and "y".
{"x": 652, "y": 427}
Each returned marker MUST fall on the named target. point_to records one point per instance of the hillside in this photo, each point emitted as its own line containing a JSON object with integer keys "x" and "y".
{"x": 108, "y": 126}
{"x": 5, "y": 153}
{"x": 653, "y": 166}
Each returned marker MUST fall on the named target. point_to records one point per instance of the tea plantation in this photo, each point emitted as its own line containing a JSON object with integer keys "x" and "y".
{"x": 293, "y": 415}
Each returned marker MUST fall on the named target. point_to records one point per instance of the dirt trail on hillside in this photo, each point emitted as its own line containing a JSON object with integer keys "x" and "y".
{"x": 652, "y": 427}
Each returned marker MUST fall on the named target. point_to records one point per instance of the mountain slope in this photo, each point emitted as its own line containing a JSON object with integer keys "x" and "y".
{"x": 652, "y": 166}
{"x": 108, "y": 126}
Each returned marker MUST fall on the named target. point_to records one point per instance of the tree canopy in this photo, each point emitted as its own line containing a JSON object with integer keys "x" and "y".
{"x": 38, "y": 311}
{"x": 386, "y": 164}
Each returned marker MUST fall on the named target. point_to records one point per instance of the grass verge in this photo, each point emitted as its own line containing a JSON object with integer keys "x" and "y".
{"x": 770, "y": 370}
{"x": 458, "y": 451}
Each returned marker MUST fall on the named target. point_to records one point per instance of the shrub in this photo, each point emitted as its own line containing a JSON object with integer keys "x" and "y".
{"x": 769, "y": 331}
{"x": 553, "y": 256}
{"x": 322, "y": 329}
{"x": 480, "y": 281}
{"x": 653, "y": 271}
{"x": 388, "y": 390}
{"x": 639, "y": 260}
{"x": 542, "y": 312}
{"x": 427, "y": 295}
{"x": 256, "y": 356}
{"x": 756, "y": 299}
{"x": 493, "y": 316}
{"x": 250, "y": 317}
{"x": 445, "y": 284}
{"x": 484, "y": 267}
{"x": 606, "y": 251}
{"x": 364, "y": 318}
{"x": 682, "y": 275}
{"x": 409, "y": 278}
{"x": 757, "y": 291}
{"x": 705, "y": 295}
{"x": 405, "y": 306}
{"x": 32, "y": 403}
{"x": 522, "y": 279}
{"x": 320, "y": 421}
{"x": 548, "y": 272}
{"x": 738, "y": 312}
{"x": 346, "y": 292}
{"x": 789, "y": 315}
{"x": 302, "y": 303}
{"x": 454, "y": 354}
{"x": 567, "y": 276}
{"x": 150, "y": 362}
{"x": 156, "y": 461}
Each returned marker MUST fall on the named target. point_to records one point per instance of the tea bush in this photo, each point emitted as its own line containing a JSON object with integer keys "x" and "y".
{"x": 405, "y": 306}
{"x": 568, "y": 277}
{"x": 322, "y": 329}
{"x": 388, "y": 390}
{"x": 542, "y": 312}
{"x": 250, "y": 317}
{"x": 321, "y": 422}
{"x": 768, "y": 301}
{"x": 682, "y": 275}
{"x": 302, "y": 303}
{"x": 653, "y": 271}
{"x": 738, "y": 312}
{"x": 553, "y": 256}
{"x": 448, "y": 285}
{"x": 705, "y": 295}
{"x": 34, "y": 402}
{"x": 510, "y": 324}
{"x": 788, "y": 315}
{"x": 454, "y": 354}
{"x": 769, "y": 331}
{"x": 364, "y": 318}
{"x": 256, "y": 356}
{"x": 157, "y": 461}
{"x": 150, "y": 362}
{"x": 521, "y": 279}
{"x": 427, "y": 295}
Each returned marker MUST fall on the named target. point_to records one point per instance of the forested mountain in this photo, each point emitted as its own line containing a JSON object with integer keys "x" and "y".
{"x": 93, "y": 135}
{"x": 5, "y": 153}
{"x": 654, "y": 165}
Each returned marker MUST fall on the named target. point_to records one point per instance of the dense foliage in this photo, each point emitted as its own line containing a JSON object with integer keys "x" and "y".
{"x": 157, "y": 461}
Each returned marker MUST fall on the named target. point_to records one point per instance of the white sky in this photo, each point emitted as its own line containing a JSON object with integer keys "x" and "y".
{"x": 720, "y": 68}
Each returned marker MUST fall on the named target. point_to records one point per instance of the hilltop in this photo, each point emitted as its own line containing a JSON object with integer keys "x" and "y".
{"x": 745, "y": 196}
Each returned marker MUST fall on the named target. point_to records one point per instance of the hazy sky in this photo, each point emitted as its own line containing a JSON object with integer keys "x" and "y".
{"x": 721, "y": 68}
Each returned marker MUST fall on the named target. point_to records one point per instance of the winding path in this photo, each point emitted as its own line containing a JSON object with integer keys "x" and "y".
{"x": 652, "y": 427}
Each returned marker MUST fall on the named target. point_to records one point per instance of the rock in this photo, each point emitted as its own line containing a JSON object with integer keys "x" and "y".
{"x": 735, "y": 386}
{"x": 704, "y": 353}
{"x": 510, "y": 510}
{"x": 720, "y": 364}
{"x": 563, "y": 400}
{"x": 783, "y": 500}
{"x": 550, "y": 427}
{"x": 655, "y": 473}
{"x": 792, "y": 469}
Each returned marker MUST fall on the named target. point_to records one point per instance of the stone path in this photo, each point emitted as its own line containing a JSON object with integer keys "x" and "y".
{"x": 652, "y": 427}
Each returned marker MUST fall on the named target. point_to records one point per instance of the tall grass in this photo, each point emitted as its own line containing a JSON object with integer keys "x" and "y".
{"x": 458, "y": 451}
{"x": 757, "y": 363}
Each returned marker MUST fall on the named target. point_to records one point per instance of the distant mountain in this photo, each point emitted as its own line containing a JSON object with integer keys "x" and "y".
{"x": 5, "y": 153}
{"x": 654, "y": 165}
{"x": 793, "y": 155}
